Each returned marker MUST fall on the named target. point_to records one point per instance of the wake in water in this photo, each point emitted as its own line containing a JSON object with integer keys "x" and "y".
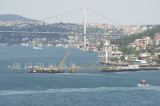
{"x": 81, "y": 74}
{"x": 143, "y": 85}
{"x": 65, "y": 90}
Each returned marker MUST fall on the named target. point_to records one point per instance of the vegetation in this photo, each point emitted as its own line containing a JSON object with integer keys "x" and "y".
{"x": 129, "y": 39}
{"x": 95, "y": 30}
{"x": 16, "y": 38}
{"x": 100, "y": 46}
{"x": 157, "y": 60}
{"x": 114, "y": 59}
{"x": 123, "y": 42}
{"x": 129, "y": 51}
{"x": 34, "y": 28}
{"x": 12, "y": 17}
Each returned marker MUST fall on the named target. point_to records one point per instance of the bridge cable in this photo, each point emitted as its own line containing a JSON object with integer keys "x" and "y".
{"x": 103, "y": 16}
{"x": 62, "y": 14}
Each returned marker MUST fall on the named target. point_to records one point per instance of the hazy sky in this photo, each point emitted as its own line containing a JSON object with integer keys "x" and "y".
{"x": 126, "y": 12}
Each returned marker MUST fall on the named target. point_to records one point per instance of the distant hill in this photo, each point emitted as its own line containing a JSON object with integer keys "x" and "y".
{"x": 15, "y": 18}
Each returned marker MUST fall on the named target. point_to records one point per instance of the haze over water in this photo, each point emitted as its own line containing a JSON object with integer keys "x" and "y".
{"x": 84, "y": 88}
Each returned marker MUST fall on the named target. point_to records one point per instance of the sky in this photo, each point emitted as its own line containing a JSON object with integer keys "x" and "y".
{"x": 124, "y": 12}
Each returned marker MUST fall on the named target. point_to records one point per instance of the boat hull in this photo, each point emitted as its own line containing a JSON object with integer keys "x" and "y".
{"x": 44, "y": 71}
{"x": 118, "y": 70}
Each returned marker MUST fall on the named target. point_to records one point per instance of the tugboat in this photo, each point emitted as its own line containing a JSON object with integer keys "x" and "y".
{"x": 143, "y": 82}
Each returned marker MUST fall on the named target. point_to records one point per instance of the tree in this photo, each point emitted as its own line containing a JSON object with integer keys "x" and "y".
{"x": 115, "y": 59}
{"x": 123, "y": 58}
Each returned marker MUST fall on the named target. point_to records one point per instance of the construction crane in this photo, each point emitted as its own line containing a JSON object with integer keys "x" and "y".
{"x": 63, "y": 60}
{"x": 50, "y": 70}
{"x": 92, "y": 66}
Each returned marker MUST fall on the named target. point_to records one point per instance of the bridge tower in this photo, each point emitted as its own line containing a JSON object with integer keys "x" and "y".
{"x": 84, "y": 23}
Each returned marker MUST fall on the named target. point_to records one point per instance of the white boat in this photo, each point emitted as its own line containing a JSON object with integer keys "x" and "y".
{"x": 66, "y": 46}
{"x": 101, "y": 55}
{"x": 37, "y": 47}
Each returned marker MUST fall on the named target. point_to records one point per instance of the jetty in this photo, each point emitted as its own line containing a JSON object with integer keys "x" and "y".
{"x": 115, "y": 63}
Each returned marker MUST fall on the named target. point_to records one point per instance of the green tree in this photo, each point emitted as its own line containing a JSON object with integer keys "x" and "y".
{"x": 114, "y": 59}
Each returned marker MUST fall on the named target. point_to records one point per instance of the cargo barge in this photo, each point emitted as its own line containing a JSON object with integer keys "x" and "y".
{"x": 44, "y": 70}
{"x": 37, "y": 69}
{"x": 118, "y": 70}
{"x": 129, "y": 68}
{"x": 121, "y": 69}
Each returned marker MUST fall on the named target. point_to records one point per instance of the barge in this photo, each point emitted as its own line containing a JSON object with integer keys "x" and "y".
{"x": 129, "y": 68}
{"x": 37, "y": 69}
{"x": 44, "y": 70}
{"x": 121, "y": 69}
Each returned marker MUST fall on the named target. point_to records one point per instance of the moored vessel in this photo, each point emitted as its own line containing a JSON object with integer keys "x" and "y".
{"x": 44, "y": 70}
{"x": 121, "y": 69}
{"x": 37, "y": 69}
{"x": 37, "y": 47}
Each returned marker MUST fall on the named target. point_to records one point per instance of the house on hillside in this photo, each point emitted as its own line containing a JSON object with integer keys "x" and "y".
{"x": 141, "y": 44}
{"x": 114, "y": 47}
{"x": 145, "y": 56}
{"x": 141, "y": 47}
{"x": 157, "y": 40}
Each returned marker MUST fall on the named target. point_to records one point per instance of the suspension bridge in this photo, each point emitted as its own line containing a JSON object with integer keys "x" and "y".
{"x": 78, "y": 18}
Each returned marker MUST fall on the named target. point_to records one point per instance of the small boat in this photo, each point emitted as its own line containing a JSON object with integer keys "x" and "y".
{"x": 9, "y": 66}
{"x": 37, "y": 47}
{"x": 101, "y": 55}
{"x": 143, "y": 82}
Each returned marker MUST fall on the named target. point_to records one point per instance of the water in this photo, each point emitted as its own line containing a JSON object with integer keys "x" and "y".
{"x": 85, "y": 88}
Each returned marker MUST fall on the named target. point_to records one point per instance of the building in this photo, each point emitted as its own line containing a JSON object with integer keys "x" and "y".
{"x": 157, "y": 40}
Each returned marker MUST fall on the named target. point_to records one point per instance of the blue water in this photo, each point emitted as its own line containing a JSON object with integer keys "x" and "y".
{"x": 85, "y": 88}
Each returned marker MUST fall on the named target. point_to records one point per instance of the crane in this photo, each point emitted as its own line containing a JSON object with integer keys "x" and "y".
{"x": 63, "y": 60}
{"x": 92, "y": 66}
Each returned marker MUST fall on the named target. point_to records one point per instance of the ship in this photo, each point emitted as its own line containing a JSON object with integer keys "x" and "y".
{"x": 121, "y": 69}
{"x": 9, "y": 66}
{"x": 54, "y": 69}
{"x": 143, "y": 82}
{"x": 44, "y": 70}
{"x": 37, "y": 47}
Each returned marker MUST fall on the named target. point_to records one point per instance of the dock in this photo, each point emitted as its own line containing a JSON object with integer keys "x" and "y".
{"x": 149, "y": 68}
{"x": 122, "y": 69}
{"x": 114, "y": 63}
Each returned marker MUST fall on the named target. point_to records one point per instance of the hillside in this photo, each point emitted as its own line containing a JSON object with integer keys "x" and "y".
{"x": 129, "y": 39}
{"x": 15, "y": 18}
{"x": 123, "y": 42}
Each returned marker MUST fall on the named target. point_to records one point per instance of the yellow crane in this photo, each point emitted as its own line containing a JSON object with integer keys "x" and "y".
{"x": 63, "y": 60}
{"x": 92, "y": 66}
